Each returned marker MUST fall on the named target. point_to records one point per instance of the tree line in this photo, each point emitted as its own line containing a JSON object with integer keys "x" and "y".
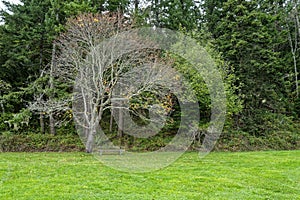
{"x": 255, "y": 45}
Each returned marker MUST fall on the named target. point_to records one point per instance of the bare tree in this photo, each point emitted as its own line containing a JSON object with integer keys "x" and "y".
{"x": 110, "y": 69}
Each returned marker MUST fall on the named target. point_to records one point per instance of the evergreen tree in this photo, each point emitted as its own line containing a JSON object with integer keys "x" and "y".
{"x": 175, "y": 14}
{"x": 248, "y": 36}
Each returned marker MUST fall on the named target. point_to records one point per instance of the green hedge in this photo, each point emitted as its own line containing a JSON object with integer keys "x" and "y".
{"x": 40, "y": 143}
{"x": 242, "y": 141}
{"x": 233, "y": 141}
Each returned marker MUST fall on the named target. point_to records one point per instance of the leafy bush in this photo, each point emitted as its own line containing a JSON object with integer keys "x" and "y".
{"x": 242, "y": 141}
{"x": 39, "y": 143}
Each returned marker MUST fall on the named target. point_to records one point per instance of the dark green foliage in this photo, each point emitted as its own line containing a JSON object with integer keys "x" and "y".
{"x": 4, "y": 117}
{"x": 26, "y": 47}
{"x": 242, "y": 141}
{"x": 25, "y": 42}
{"x": 39, "y": 142}
{"x": 116, "y": 5}
{"x": 175, "y": 14}
{"x": 249, "y": 35}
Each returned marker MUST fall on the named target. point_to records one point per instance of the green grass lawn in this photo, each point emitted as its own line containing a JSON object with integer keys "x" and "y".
{"x": 253, "y": 175}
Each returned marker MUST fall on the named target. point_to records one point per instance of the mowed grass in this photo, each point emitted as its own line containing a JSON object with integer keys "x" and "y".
{"x": 251, "y": 175}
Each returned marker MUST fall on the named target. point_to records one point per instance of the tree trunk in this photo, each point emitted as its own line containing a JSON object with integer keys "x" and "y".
{"x": 94, "y": 122}
{"x": 89, "y": 142}
{"x": 111, "y": 120}
{"x": 42, "y": 123}
{"x": 136, "y": 6}
{"x": 2, "y": 106}
{"x": 296, "y": 74}
{"x": 51, "y": 118}
{"x": 52, "y": 124}
{"x": 121, "y": 121}
{"x": 294, "y": 45}
{"x": 295, "y": 61}
{"x": 120, "y": 127}
{"x": 156, "y": 12}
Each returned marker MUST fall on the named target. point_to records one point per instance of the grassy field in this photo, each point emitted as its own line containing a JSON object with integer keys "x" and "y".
{"x": 255, "y": 175}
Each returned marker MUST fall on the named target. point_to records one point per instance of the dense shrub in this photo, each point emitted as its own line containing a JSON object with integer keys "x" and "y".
{"x": 39, "y": 143}
{"x": 242, "y": 141}
{"x": 228, "y": 141}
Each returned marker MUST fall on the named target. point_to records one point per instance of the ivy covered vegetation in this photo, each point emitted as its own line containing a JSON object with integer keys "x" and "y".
{"x": 255, "y": 45}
